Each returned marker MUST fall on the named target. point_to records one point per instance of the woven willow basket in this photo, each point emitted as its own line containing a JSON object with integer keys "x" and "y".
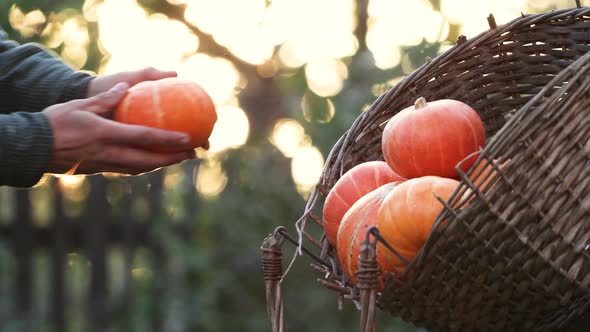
{"x": 516, "y": 257}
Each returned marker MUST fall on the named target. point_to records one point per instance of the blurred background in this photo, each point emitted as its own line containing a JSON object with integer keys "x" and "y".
{"x": 178, "y": 249}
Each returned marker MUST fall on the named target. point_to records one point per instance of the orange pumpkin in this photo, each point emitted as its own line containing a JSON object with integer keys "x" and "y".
{"x": 480, "y": 177}
{"x": 431, "y": 138}
{"x": 173, "y": 104}
{"x": 354, "y": 184}
{"x": 407, "y": 215}
{"x": 352, "y": 232}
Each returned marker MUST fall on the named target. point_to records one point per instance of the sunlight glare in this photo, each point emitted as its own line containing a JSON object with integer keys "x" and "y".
{"x": 211, "y": 179}
{"x": 289, "y": 136}
{"x": 288, "y": 57}
{"x": 231, "y": 130}
{"x": 173, "y": 177}
{"x": 51, "y": 35}
{"x": 390, "y": 27}
{"x": 70, "y": 181}
{"x": 219, "y": 77}
{"x": 234, "y": 24}
{"x": 306, "y": 168}
{"x": 75, "y": 55}
{"x": 90, "y": 10}
{"x": 28, "y": 24}
{"x": 74, "y": 34}
{"x": 75, "y": 188}
{"x": 472, "y": 14}
{"x": 325, "y": 78}
{"x": 251, "y": 30}
{"x": 135, "y": 40}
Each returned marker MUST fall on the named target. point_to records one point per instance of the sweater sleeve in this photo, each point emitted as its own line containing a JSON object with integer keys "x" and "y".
{"x": 32, "y": 78}
{"x": 26, "y": 143}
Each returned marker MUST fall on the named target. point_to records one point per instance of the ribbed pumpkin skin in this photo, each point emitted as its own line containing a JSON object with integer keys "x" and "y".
{"x": 432, "y": 138}
{"x": 354, "y": 184}
{"x": 406, "y": 217}
{"x": 352, "y": 232}
{"x": 172, "y": 104}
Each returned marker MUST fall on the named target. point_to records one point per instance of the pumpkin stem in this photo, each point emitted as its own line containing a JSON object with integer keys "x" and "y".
{"x": 420, "y": 103}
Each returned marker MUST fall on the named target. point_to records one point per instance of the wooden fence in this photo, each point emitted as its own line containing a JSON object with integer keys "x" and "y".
{"x": 27, "y": 306}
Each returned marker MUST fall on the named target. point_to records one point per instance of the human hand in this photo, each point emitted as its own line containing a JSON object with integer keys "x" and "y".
{"x": 102, "y": 84}
{"x": 81, "y": 133}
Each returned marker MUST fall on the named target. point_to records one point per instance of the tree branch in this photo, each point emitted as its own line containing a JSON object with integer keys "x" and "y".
{"x": 362, "y": 16}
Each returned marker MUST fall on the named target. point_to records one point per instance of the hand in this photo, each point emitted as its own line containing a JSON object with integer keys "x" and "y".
{"x": 81, "y": 133}
{"x": 104, "y": 83}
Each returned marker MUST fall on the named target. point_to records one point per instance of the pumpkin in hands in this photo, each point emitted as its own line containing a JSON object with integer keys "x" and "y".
{"x": 354, "y": 184}
{"x": 407, "y": 215}
{"x": 431, "y": 138}
{"x": 172, "y": 104}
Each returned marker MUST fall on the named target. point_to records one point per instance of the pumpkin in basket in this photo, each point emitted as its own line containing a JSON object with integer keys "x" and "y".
{"x": 354, "y": 184}
{"x": 352, "y": 232}
{"x": 407, "y": 215}
{"x": 483, "y": 174}
{"x": 431, "y": 138}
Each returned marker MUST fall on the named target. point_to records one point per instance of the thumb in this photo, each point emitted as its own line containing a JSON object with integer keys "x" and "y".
{"x": 106, "y": 101}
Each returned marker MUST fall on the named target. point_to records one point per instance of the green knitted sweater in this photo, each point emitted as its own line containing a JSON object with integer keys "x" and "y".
{"x": 31, "y": 79}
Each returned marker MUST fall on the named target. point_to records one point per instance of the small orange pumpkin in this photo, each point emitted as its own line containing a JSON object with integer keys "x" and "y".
{"x": 352, "y": 232}
{"x": 431, "y": 138}
{"x": 407, "y": 215}
{"x": 482, "y": 175}
{"x": 354, "y": 184}
{"x": 173, "y": 104}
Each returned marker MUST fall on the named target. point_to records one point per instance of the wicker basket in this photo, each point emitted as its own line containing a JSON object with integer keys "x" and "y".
{"x": 516, "y": 257}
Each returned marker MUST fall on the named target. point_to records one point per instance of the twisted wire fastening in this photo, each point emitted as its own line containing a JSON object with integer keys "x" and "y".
{"x": 368, "y": 282}
{"x": 272, "y": 268}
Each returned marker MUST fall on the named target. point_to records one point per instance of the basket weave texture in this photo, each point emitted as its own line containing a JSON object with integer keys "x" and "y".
{"x": 517, "y": 256}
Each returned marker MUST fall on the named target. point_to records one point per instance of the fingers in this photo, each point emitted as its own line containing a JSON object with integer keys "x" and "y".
{"x": 101, "y": 103}
{"x": 107, "y": 101}
{"x": 146, "y": 74}
{"x": 153, "y": 74}
{"x": 125, "y": 134}
{"x": 128, "y": 160}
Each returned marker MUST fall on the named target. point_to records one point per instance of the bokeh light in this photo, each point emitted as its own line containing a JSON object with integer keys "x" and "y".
{"x": 392, "y": 26}
{"x": 70, "y": 181}
{"x": 231, "y": 129}
{"x": 28, "y": 24}
{"x": 325, "y": 78}
{"x": 306, "y": 167}
{"x": 251, "y": 29}
{"x": 211, "y": 179}
{"x": 471, "y": 15}
{"x": 289, "y": 136}
{"x": 219, "y": 77}
{"x": 316, "y": 109}
{"x": 135, "y": 40}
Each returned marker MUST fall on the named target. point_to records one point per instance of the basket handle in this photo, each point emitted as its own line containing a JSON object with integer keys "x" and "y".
{"x": 272, "y": 267}
{"x": 368, "y": 281}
